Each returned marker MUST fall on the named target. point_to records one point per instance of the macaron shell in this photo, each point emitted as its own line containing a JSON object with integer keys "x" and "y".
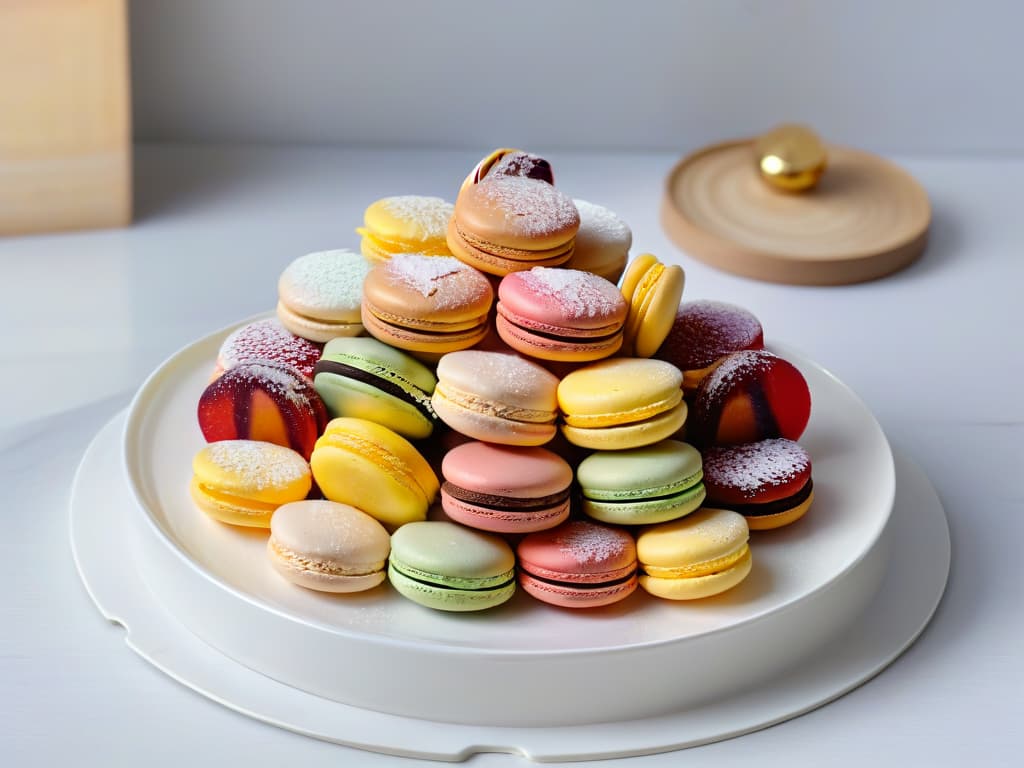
{"x": 234, "y": 510}
{"x": 428, "y": 289}
{"x": 617, "y": 390}
{"x": 504, "y": 520}
{"x": 315, "y": 330}
{"x": 581, "y": 350}
{"x": 551, "y": 299}
{"x": 517, "y": 212}
{"x": 518, "y": 473}
{"x": 661, "y": 469}
{"x": 705, "y": 536}
{"x": 446, "y": 566}
{"x": 633, "y": 435}
{"x": 602, "y": 242}
{"x": 374, "y": 469}
{"x": 646, "y": 512}
{"x": 498, "y": 261}
{"x": 699, "y": 587}
{"x": 449, "y": 599}
{"x": 324, "y": 286}
{"x": 436, "y": 343}
{"x": 567, "y": 596}
{"x": 486, "y": 422}
{"x": 653, "y": 309}
{"x": 407, "y": 224}
{"x": 328, "y": 546}
{"x": 256, "y": 471}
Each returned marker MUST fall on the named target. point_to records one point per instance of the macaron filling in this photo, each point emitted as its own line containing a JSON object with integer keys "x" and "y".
{"x": 696, "y": 570}
{"x": 582, "y": 585}
{"x": 777, "y": 506}
{"x": 504, "y": 503}
{"x": 477, "y": 404}
{"x": 456, "y": 584}
{"x": 385, "y": 380}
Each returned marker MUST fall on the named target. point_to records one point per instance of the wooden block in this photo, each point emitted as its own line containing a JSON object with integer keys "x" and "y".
{"x": 65, "y": 124}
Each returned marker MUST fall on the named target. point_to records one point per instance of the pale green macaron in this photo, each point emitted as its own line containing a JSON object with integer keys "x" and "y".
{"x": 642, "y": 486}
{"x": 367, "y": 379}
{"x": 447, "y": 567}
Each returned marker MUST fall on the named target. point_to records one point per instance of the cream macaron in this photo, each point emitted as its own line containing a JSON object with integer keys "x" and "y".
{"x": 327, "y": 546}
{"x": 320, "y": 295}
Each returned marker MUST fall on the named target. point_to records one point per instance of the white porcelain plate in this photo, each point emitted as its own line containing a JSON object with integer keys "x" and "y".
{"x": 525, "y": 663}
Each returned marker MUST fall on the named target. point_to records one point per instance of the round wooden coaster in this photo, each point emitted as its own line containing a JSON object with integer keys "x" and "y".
{"x": 865, "y": 219}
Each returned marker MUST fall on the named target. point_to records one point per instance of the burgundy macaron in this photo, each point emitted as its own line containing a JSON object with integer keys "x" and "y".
{"x": 579, "y": 564}
{"x": 505, "y": 489}
{"x": 561, "y": 314}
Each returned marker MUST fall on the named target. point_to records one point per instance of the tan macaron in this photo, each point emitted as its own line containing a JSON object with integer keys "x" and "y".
{"x": 328, "y": 546}
{"x": 426, "y": 304}
{"x": 509, "y": 223}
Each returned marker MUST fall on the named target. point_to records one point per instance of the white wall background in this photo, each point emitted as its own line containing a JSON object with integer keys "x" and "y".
{"x": 905, "y": 76}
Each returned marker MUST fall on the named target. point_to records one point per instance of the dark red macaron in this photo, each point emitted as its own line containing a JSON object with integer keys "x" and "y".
{"x": 263, "y": 401}
{"x": 752, "y": 395}
{"x": 768, "y": 482}
{"x": 704, "y": 332}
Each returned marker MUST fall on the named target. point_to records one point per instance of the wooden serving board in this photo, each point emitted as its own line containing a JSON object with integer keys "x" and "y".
{"x": 65, "y": 127}
{"x": 865, "y": 219}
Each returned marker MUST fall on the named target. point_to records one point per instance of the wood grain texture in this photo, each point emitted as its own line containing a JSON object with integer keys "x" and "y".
{"x": 865, "y": 219}
{"x": 65, "y": 133}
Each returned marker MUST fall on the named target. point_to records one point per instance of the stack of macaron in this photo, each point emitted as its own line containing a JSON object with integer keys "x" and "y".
{"x": 472, "y": 403}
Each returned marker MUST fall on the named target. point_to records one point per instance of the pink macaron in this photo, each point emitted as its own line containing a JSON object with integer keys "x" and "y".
{"x": 561, "y": 314}
{"x": 579, "y": 564}
{"x": 505, "y": 489}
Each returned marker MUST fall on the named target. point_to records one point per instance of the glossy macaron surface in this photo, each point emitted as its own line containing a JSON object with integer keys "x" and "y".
{"x": 751, "y": 395}
{"x": 327, "y": 546}
{"x": 653, "y": 291}
{"x": 449, "y": 567}
{"x": 505, "y": 489}
{"x": 265, "y": 401}
{"x": 372, "y": 468}
{"x": 242, "y": 482}
{"x": 579, "y": 564}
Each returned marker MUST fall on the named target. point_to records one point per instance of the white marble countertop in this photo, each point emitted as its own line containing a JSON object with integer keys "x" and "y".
{"x": 935, "y": 351}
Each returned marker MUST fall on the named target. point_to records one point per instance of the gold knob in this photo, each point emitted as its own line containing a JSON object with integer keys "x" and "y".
{"x": 791, "y": 157}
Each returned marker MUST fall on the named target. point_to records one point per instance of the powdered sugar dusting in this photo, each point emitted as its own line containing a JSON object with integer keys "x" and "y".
{"x": 328, "y": 280}
{"x": 429, "y": 215}
{"x": 444, "y": 278}
{"x": 257, "y": 464}
{"x": 535, "y": 207}
{"x": 704, "y": 331}
{"x": 579, "y": 294}
{"x": 752, "y": 467}
{"x": 739, "y": 365}
{"x": 275, "y": 379}
{"x": 589, "y": 543}
{"x": 600, "y": 225}
{"x": 269, "y": 340}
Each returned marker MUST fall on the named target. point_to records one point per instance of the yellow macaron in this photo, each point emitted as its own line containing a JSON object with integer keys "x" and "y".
{"x": 405, "y": 224}
{"x": 374, "y": 469}
{"x": 653, "y": 291}
{"x": 621, "y": 403}
{"x": 700, "y": 555}
{"x": 242, "y": 482}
